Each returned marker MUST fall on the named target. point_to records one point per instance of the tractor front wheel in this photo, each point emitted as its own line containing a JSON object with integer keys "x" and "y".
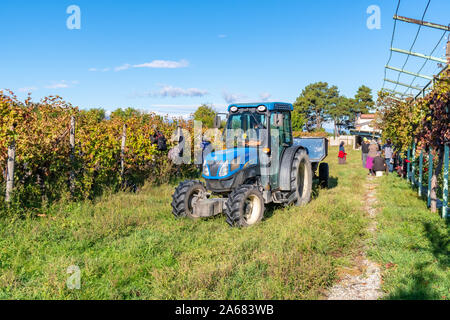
{"x": 245, "y": 206}
{"x": 185, "y": 197}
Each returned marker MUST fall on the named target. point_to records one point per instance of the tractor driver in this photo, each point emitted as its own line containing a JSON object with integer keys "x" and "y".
{"x": 256, "y": 137}
{"x": 246, "y": 130}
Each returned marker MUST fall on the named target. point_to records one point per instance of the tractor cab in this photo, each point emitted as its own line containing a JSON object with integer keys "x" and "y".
{"x": 255, "y": 134}
{"x": 260, "y": 164}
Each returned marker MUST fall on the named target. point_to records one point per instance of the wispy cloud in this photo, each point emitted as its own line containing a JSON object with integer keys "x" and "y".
{"x": 155, "y": 64}
{"x": 61, "y": 84}
{"x": 265, "y": 96}
{"x": 221, "y": 36}
{"x": 173, "y": 92}
{"x": 169, "y": 91}
{"x": 233, "y": 97}
{"x": 163, "y": 64}
{"x": 123, "y": 67}
{"x": 27, "y": 89}
{"x": 99, "y": 70}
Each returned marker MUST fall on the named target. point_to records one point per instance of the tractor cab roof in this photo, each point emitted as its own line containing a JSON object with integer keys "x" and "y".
{"x": 271, "y": 106}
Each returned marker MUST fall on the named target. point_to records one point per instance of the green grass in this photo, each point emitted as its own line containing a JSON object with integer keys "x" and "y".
{"x": 412, "y": 244}
{"x": 129, "y": 246}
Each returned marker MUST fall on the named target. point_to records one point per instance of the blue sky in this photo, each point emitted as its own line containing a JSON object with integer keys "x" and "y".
{"x": 171, "y": 56}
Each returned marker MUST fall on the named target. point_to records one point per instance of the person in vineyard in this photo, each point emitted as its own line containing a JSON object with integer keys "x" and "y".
{"x": 373, "y": 152}
{"x": 379, "y": 165}
{"x": 342, "y": 155}
{"x": 388, "y": 150}
{"x": 364, "y": 151}
{"x": 159, "y": 139}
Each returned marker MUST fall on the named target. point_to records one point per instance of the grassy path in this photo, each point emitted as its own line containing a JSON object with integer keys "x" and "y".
{"x": 128, "y": 246}
{"x": 363, "y": 280}
{"x": 412, "y": 245}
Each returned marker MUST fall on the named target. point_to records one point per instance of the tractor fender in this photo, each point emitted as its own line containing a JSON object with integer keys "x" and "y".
{"x": 286, "y": 166}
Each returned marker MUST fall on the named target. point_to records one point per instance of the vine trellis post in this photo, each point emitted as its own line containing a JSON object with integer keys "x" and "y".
{"x": 445, "y": 188}
{"x": 413, "y": 169}
{"x": 10, "y": 170}
{"x": 420, "y": 173}
{"x": 122, "y": 151}
{"x": 72, "y": 154}
{"x": 430, "y": 176}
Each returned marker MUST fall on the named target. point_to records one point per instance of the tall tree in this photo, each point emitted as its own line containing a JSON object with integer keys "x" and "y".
{"x": 313, "y": 104}
{"x": 363, "y": 100}
{"x": 298, "y": 121}
{"x": 97, "y": 113}
{"x": 341, "y": 113}
{"x": 125, "y": 114}
{"x": 206, "y": 115}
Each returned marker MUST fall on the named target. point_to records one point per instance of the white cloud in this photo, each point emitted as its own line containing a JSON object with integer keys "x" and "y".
{"x": 57, "y": 86}
{"x": 173, "y": 92}
{"x": 155, "y": 64}
{"x": 265, "y": 96}
{"x": 61, "y": 84}
{"x": 27, "y": 89}
{"x": 99, "y": 70}
{"x": 169, "y": 91}
{"x": 233, "y": 97}
{"x": 163, "y": 64}
{"x": 123, "y": 67}
{"x": 221, "y": 36}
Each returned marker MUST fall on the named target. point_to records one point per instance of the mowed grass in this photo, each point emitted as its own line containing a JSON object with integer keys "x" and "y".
{"x": 129, "y": 246}
{"x": 413, "y": 244}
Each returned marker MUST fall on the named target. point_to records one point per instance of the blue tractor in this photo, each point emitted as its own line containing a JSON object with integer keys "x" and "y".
{"x": 261, "y": 164}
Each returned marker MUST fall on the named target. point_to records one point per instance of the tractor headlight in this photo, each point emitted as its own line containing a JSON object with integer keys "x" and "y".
{"x": 234, "y": 109}
{"x": 224, "y": 169}
{"x": 262, "y": 108}
{"x": 205, "y": 169}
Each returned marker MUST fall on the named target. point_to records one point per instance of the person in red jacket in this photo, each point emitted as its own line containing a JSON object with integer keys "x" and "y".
{"x": 342, "y": 155}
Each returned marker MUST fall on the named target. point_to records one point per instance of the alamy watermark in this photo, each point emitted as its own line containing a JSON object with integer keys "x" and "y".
{"x": 73, "y": 22}
{"x": 374, "y": 20}
{"x": 74, "y": 281}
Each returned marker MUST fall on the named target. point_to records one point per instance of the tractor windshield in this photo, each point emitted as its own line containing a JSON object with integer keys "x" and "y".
{"x": 246, "y": 129}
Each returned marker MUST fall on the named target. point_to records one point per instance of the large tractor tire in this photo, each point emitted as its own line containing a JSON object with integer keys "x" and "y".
{"x": 244, "y": 206}
{"x": 185, "y": 196}
{"x": 324, "y": 175}
{"x": 301, "y": 179}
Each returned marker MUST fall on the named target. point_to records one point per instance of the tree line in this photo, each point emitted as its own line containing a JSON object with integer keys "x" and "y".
{"x": 317, "y": 104}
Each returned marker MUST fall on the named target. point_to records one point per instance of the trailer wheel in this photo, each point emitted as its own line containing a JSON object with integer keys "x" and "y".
{"x": 301, "y": 179}
{"x": 185, "y": 196}
{"x": 324, "y": 175}
{"x": 244, "y": 206}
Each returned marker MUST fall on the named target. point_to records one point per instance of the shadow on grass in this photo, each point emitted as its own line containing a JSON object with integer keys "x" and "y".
{"x": 316, "y": 189}
{"x": 440, "y": 242}
{"x": 333, "y": 182}
{"x": 421, "y": 288}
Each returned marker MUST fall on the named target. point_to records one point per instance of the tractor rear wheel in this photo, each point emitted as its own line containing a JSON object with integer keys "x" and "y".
{"x": 301, "y": 179}
{"x": 324, "y": 175}
{"x": 185, "y": 197}
{"x": 244, "y": 206}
